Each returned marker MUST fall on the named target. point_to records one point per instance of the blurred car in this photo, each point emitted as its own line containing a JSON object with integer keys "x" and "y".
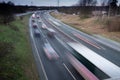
{"x": 33, "y": 16}
{"x": 37, "y": 33}
{"x": 33, "y": 20}
{"x": 80, "y": 68}
{"x": 44, "y": 26}
{"x": 51, "y": 32}
{"x": 40, "y": 24}
{"x": 34, "y": 25}
{"x": 50, "y": 52}
{"x": 37, "y": 16}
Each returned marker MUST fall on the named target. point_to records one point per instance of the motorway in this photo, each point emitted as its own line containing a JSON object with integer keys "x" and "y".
{"x": 61, "y": 69}
{"x": 53, "y": 70}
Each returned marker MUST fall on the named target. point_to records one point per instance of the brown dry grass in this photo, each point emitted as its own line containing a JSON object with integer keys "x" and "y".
{"x": 92, "y": 25}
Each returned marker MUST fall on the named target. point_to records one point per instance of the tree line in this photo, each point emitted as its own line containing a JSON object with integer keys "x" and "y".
{"x": 84, "y": 7}
{"x": 8, "y": 10}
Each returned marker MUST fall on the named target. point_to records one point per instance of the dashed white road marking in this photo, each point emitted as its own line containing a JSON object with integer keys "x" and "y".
{"x": 69, "y": 71}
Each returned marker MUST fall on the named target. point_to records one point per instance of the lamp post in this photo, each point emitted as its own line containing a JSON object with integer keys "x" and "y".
{"x": 58, "y": 3}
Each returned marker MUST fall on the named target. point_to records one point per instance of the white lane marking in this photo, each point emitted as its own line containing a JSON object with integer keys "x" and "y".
{"x": 61, "y": 42}
{"x": 69, "y": 71}
{"x": 31, "y": 33}
{"x": 40, "y": 60}
{"x": 103, "y": 47}
{"x": 56, "y": 23}
{"x": 39, "y": 56}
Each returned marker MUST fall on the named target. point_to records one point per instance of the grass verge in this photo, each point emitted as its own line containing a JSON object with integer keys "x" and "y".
{"x": 93, "y": 25}
{"x": 16, "y": 59}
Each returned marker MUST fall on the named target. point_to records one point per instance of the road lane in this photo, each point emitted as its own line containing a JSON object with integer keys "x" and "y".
{"x": 52, "y": 70}
{"x": 62, "y": 69}
{"x": 36, "y": 55}
{"x": 61, "y": 51}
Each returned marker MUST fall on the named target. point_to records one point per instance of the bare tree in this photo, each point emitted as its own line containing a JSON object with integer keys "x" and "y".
{"x": 108, "y": 2}
{"x": 112, "y": 7}
{"x": 6, "y": 12}
{"x": 86, "y": 7}
{"x": 103, "y": 2}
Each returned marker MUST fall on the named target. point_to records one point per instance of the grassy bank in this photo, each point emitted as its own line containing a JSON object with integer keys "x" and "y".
{"x": 16, "y": 59}
{"x": 93, "y": 25}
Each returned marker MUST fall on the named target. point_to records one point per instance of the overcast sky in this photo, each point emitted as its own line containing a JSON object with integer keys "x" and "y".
{"x": 43, "y": 2}
{"x": 47, "y": 2}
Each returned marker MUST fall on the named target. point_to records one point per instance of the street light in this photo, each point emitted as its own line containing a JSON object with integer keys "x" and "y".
{"x": 58, "y": 3}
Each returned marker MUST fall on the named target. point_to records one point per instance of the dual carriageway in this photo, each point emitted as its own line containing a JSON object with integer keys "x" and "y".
{"x": 80, "y": 57}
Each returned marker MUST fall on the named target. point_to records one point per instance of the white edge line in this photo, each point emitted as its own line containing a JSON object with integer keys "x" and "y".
{"x": 103, "y": 47}
{"x": 69, "y": 71}
{"x": 39, "y": 57}
{"x": 40, "y": 61}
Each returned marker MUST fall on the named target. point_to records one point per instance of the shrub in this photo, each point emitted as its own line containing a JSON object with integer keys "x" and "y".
{"x": 9, "y": 71}
{"x": 13, "y": 27}
{"x": 5, "y": 48}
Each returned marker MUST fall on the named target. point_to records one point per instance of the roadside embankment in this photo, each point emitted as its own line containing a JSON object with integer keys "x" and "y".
{"x": 109, "y": 28}
{"x": 16, "y": 59}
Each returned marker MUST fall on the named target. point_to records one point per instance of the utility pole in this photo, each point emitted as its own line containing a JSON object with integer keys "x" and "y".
{"x": 58, "y": 3}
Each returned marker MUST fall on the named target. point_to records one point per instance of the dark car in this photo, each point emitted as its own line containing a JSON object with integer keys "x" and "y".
{"x": 37, "y": 33}
{"x": 37, "y": 16}
{"x": 33, "y": 20}
{"x": 34, "y": 25}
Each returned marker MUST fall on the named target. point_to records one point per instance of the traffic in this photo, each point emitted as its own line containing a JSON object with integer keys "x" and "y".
{"x": 75, "y": 55}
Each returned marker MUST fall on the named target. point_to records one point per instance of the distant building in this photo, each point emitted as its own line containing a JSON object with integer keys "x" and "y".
{"x": 99, "y": 13}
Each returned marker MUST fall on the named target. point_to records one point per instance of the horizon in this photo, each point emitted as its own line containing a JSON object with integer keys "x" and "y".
{"x": 49, "y": 2}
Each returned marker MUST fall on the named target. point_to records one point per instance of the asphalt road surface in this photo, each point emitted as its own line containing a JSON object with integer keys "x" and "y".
{"x": 61, "y": 69}
{"x": 103, "y": 50}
